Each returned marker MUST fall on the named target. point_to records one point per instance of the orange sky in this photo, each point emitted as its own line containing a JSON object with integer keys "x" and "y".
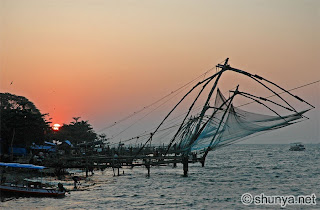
{"x": 102, "y": 60}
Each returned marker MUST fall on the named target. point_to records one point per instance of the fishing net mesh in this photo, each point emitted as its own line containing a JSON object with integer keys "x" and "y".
{"x": 228, "y": 125}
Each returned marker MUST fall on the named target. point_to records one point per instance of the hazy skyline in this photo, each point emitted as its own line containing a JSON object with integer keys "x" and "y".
{"x": 103, "y": 60}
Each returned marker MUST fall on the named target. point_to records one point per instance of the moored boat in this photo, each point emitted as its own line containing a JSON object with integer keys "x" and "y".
{"x": 28, "y": 188}
{"x": 30, "y": 191}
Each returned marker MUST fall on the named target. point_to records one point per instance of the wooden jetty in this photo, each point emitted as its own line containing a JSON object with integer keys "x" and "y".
{"x": 150, "y": 157}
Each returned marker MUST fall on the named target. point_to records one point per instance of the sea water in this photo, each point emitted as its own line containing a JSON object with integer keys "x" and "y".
{"x": 228, "y": 173}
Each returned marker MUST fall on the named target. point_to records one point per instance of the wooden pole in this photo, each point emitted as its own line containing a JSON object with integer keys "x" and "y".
{"x": 185, "y": 165}
{"x": 86, "y": 154}
{"x": 222, "y": 118}
{"x": 11, "y": 155}
{"x": 202, "y": 161}
{"x": 175, "y": 163}
{"x": 148, "y": 167}
{"x": 147, "y": 164}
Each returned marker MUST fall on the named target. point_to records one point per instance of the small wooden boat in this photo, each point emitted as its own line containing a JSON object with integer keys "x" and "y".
{"x": 29, "y": 188}
{"x": 30, "y": 191}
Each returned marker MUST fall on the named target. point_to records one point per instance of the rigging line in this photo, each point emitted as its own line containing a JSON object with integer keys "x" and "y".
{"x": 148, "y": 134}
{"x": 204, "y": 109}
{"x": 229, "y": 100}
{"x": 193, "y": 88}
{"x": 223, "y": 61}
{"x": 240, "y": 93}
{"x": 228, "y": 91}
{"x": 297, "y": 97}
{"x": 116, "y": 143}
{"x": 239, "y": 131}
{"x": 206, "y": 80}
{"x": 172, "y": 121}
{"x": 301, "y": 86}
{"x": 129, "y": 116}
{"x": 242, "y": 139}
{"x": 255, "y": 78}
{"x": 275, "y": 93}
{"x": 222, "y": 119}
{"x": 252, "y": 136}
{"x": 209, "y": 78}
{"x": 265, "y": 99}
{"x": 311, "y": 83}
{"x": 190, "y": 108}
{"x": 145, "y": 115}
{"x": 164, "y": 135}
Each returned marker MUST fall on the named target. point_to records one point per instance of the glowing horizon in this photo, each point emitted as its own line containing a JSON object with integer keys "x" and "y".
{"x": 103, "y": 60}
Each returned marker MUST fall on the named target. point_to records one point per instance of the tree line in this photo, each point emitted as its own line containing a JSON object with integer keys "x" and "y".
{"x": 22, "y": 124}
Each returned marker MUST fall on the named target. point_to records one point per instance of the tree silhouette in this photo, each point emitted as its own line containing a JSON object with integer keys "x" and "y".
{"x": 21, "y": 122}
{"x": 76, "y": 132}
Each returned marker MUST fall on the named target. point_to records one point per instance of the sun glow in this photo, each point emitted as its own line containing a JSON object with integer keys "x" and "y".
{"x": 56, "y": 127}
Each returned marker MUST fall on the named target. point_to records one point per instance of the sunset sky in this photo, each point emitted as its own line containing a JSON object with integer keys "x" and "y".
{"x": 103, "y": 60}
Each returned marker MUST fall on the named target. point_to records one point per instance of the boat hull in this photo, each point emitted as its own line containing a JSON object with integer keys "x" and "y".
{"x": 28, "y": 191}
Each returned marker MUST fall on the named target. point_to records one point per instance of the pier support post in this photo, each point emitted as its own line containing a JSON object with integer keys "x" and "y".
{"x": 148, "y": 167}
{"x": 202, "y": 162}
{"x": 175, "y": 163}
{"x": 185, "y": 166}
{"x": 147, "y": 164}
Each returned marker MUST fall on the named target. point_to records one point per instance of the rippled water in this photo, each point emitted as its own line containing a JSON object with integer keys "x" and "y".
{"x": 229, "y": 172}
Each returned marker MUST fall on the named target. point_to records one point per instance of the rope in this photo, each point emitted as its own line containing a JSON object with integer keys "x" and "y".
{"x": 146, "y": 107}
{"x": 179, "y": 116}
{"x": 311, "y": 83}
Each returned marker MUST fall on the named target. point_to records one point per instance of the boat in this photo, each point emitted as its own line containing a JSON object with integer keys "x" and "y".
{"x": 28, "y": 188}
{"x": 297, "y": 147}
